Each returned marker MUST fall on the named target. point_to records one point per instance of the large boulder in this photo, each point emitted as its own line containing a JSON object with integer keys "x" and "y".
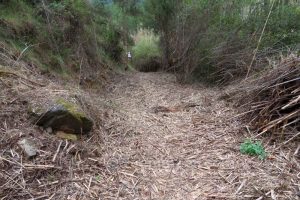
{"x": 65, "y": 116}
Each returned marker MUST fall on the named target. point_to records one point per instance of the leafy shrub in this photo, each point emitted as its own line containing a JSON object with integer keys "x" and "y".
{"x": 146, "y": 51}
{"x": 61, "y": 34}
{"x": 57, "y": 6}
{"x": 253, "y": 149}
{"x": 112, "y": 45}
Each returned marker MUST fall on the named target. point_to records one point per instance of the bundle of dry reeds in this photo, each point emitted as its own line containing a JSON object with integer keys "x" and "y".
{"x": 232, "y": 59}
{"x": 273, "y": 99}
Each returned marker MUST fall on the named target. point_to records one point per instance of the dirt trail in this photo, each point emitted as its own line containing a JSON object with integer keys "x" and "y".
{"x": 153, "y": 139}
{"x": 172, "y": 141}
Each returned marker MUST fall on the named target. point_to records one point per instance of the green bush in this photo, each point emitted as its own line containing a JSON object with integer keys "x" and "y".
{"x": 146, "y": 51}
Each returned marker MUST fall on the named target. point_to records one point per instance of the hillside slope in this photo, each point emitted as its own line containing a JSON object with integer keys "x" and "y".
{"x": 69, "y": 38}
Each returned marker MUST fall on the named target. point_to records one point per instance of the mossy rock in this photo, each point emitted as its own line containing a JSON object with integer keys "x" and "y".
{"x": 66, "y": 136}
{"x": 67, "y": 117}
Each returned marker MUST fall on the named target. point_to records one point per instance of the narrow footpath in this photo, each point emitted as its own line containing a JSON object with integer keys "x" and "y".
{"x": 173, "y": 141}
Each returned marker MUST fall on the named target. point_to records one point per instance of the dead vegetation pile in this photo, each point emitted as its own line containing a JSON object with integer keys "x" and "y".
{"x": 232, "y": 59}
{"x": 272, "y": 100}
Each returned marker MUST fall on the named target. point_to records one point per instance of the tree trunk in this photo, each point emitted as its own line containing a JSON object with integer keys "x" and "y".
{"x": 166, "y": 48}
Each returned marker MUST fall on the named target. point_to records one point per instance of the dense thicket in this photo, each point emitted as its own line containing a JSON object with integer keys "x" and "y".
{"x": 146, "y": 51}
{"x": 223, "y": 39}
{"x": 198, "y": 40}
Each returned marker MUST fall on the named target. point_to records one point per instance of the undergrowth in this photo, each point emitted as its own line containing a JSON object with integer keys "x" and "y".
{"x": 253, "y": 149}
{"x": 60, "y": 36}
{"x": 146, "y": 48}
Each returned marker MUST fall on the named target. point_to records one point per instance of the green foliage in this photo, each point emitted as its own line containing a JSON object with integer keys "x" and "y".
{"x": 194, "y": 35}
{"x": 112, "y": 44}
{"x": 122, "y": 20}
{"x": 160, "y": 12}
{"x": 120, "y": 17}
{"x": 146, "y": 47}
{"x": 60, "y": 33}
{"x": 16, "y": 20}
{"x": 253, "y": 149}
{"x": 219, "y": 31}
{"x": 57, "y": 6}
{"x": 130, "y": 7}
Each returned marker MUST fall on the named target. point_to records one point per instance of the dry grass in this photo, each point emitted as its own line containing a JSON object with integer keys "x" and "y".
{"x": 133, "y": 152}
{"x": 232, "y": 59}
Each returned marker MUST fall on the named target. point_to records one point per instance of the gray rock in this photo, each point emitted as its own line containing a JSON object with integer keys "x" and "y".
{"x": 28, "y": 147}
{"x": 67, "y": 117}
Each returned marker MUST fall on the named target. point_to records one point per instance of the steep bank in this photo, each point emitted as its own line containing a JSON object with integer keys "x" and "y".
{"x": 69, "y": 38}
